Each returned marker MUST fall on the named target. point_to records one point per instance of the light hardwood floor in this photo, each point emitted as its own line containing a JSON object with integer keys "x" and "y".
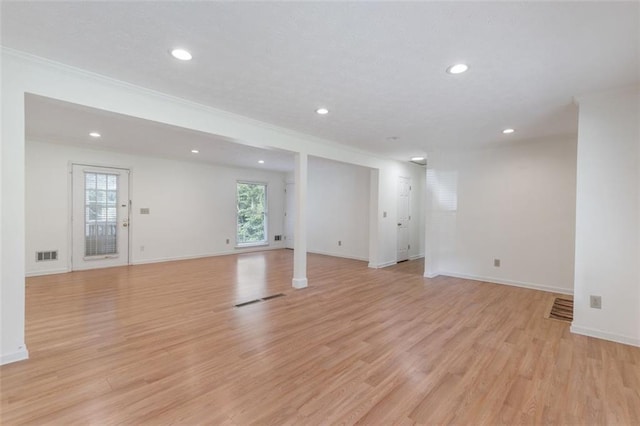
{"x": 163, "y": 343}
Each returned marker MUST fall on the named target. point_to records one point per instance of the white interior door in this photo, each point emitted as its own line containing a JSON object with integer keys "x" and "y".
{"x": 100, "y": 217}
{"x": 289, "y": 214}
{"x": 404, "y": 200}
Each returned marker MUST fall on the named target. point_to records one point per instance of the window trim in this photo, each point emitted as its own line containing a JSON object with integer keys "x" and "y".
{"x": 262, "y": 243}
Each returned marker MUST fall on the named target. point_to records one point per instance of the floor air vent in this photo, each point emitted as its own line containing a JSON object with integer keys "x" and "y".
{"x": 250, "y": 302}
{"x": 561, "y": 310}
{"x": 273, "y": 296}
{"x": 239, "y": 305}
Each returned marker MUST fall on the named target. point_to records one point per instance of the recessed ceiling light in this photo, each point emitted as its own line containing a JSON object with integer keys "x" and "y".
{"x": 507, "y": 131}
{"x": 417, "y": 158}
{"x": 457, "y": 68}
{"x": 261, "y": 161}
{"x": 181, "y": 54}
{"x": 322, "y": 111}
{"x": 194, "y": 151}
{"x": 95, "y": 134}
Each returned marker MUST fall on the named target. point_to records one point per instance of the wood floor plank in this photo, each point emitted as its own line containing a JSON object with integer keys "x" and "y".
{"x": 164, "y": 344}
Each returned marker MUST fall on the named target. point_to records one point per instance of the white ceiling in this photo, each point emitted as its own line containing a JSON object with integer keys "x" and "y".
{"x": 65, "y": 123}
{"x": 378, "y": 66}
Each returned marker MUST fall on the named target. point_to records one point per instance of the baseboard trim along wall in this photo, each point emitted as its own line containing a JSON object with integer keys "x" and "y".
{"x": 599, "y": 334}
{"x": 47, "y": 272}
{"x": 199, "y": 256}
{"x": 416, "y": 256}
{"x": 533, "y": 286}
{"x": 325, "y": 253}
{"x": 14, "y": 357}
{"x": 382, "y": 265}
{"x": 162, "y": 259}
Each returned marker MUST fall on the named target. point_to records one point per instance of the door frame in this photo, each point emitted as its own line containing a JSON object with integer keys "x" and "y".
{"x": 410, "y": 183}
{"x": 70, "y": 165}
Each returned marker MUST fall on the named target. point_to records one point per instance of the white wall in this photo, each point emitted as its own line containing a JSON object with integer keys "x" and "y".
{"x": 387, "y": 200}
{"x": 338, "y": 209}
{"x": 343, "y": 205}
{"x": 12, "y": 302}
{"x": 192, "y": 205}
{"x": 515, "y": 203}
{"x": 23, "y": 73}
{"x": 608, "y": 217}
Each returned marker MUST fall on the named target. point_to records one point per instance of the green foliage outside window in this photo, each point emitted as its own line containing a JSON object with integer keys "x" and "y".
{"x": 252, "y": 198}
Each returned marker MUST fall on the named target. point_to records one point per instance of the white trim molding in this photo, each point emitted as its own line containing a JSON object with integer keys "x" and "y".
{"x": 382, "y": 265}
{"x": 600, "y": 334}
{"x": 63, "y": 270}
{"x": 20, "y": 355}
{"x": 300, "y": 283}
{"x": 344, "y": 256}
{"x": 532, "y": 286}
{"x": 199, "y": 256}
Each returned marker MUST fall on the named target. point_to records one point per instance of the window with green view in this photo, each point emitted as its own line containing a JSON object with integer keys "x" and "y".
{"x": 252, "y": 213}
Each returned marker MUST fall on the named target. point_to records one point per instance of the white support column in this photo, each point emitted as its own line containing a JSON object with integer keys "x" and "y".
{"x": 300, "y": 235}
{"x": 12, "y": 223}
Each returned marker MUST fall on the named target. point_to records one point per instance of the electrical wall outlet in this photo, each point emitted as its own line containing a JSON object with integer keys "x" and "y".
{"x": 595, "y": 302}
{"x": 339, "y": 243}
{"x": 141, "y": 248}
{"x": 496, "y": 263}
{"x": 227, "y": 241}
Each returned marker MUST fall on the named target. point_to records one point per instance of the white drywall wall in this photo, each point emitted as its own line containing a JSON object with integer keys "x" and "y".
{"x": 23, "y": 73}
{"x": 192, "y": 205}
{"x": 515, "y": 203}
{"x": 12, "y": 302}
{"x": 338, "y": 209}
{"x": 608, "y": 217}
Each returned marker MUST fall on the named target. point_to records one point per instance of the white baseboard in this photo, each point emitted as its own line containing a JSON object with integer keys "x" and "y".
{"x": 600, "y": 334}
{"x": 47, "y": 272}
{"x": 300, "y": 283}
{"x": 416, "y": 256}
{"x": 432, "y": 275}
{"x": 200, "y": 256}
{"x": 19, "y": 355}
{"x": 326, "y": 253}
{"x": 163, "y": 259}
{"x": 382, "y": 265}
{"x": 533, "y": 286}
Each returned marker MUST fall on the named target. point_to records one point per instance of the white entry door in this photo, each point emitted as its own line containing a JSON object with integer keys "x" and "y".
{"x": 100, "y": 217}
{"x": 404, "y": 200}
{"x": 289, "y": 214}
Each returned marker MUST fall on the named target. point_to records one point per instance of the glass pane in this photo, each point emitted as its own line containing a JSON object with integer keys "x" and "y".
{"x": 90, "y": 180}
{"x": 101, "y": 214}
{"x": 112, "y": 182}
{"x": 102, "y": 181}
{"x": 251, "y": 223}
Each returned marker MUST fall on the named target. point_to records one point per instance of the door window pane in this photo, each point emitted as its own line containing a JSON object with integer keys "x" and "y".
{"x": 101, "y": 215}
